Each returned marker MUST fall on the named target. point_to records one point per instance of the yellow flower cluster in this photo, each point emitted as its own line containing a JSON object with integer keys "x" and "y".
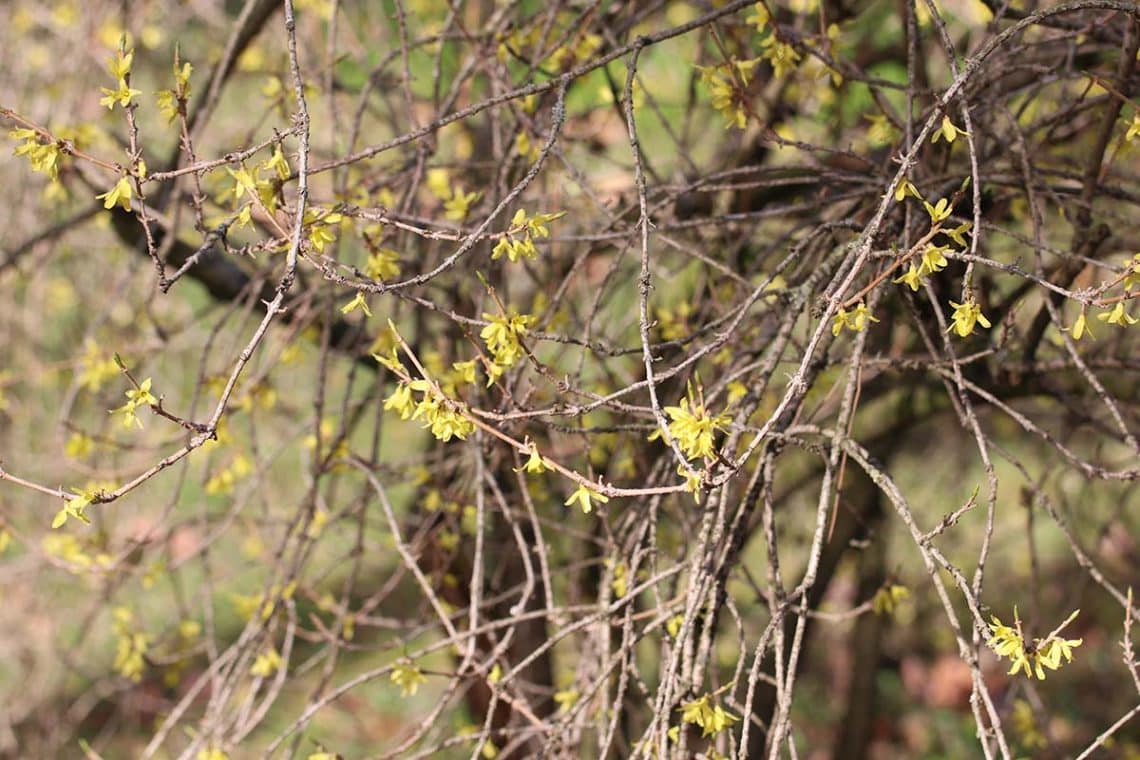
{"x": 856, "y": 320}
{"x": 322, "y": 227}
{"x": 266, "y": 664}
{"x": 1008, "y": 641}
{"x": 136, "y": 397}
{"x": 933, "y": 260}
{"x": 566, "y": 57}
{"x": 1117, "y": 315}
{"x": 674, "y": 323}
{"x": 502, "y": 335}
{"x": 79, "y": 446}
{"x": 882, "y": 133}
{"x": 78, "y": 555}
{"x": 709, "y": 715}
{"x": 1132, "y": 272}
{"x": 75, "y": 506}
{"x": 888, "y": 598}
{"x": 262, "y": 605}
{"x": 408, "y": 677}
{"x": 383, "y": 264}
{"x": 727, "y": 83}
{"x": 250, "y": 184}
{"x": 782, "y": 56}
{"x": 130, "y": 647}
{"x": 1133, "y": 128}
{"x": 120, "y": 67}
{"x": 456, "y": 203}
{"x": 965, "y": 316}
{"x": 43, "y": 156}
{"x": 445, "y": 418}
{"x": 225, "y": 479}
{"x": 170, "y": 102}
{"x": 693, "y": 427}
{"x": 518, "y": 242}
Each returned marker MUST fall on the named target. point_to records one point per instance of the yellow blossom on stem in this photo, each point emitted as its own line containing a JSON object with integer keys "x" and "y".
{"x": 934, "y": 259}
{"x": 401, "y": 401}
{"x": 856, "y": 320}
{"x": 459, "y": 204}
{"x": 566, "y": 698}
{"x": 939, "y": 211}
{"x": 277, "y": 164}
{"x": 1080, "y": 328}
{"x": 759, "y": 17}
{"x": 463, "y": 372}
{"x": 357, "y": 303}
{"x": 131, "y": 647}
{"x": 958, "y": 234}
{"x": 585, "y": 498}
{"x": 74, "y": 506}
{"x": 880, "y": 134}
{"x": 1008, "y": 641}
{"x": 726, "y": 83}
{"x": 79, "y": 446}
{"x": 965, "y": 316}
{"x": 947, "y": 130}
{"x": 710, "y": 716}
{"x": 905, "y": 188}
{"x": 170, "y": 101}
{"x": 120, "y": 68}
{"x": 408, "y": 677}
{"x": 502, "y": 334}
{"x": 120, "y": 65}
{"x": 136, "y": 397}
{"x": 888, "y": 598}
{"x": 518, "y": 242}
{"x": 323, "y": 227}
{"x": 44, "y": 157}
{"x": 445, "y": 418}
{"x": 1133, "y": 128}
{"x": 142, "y": 394}
{"x": 693, "y": 428}
{"x": 534, "y": 464}
{"x": 121, "y": 95}
{"x": 383, "y": 264}
{"x": 912, "y": 278}
{"x": 245, "y": 183}
{"x": 781, "y": 55}
{"x": 692, "y": 482}
{"x": 266, "y": 664}
{"x": 119, "y": 195}
{"x": 1118, "y": 316}
{"x": 1132, "y": 272}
